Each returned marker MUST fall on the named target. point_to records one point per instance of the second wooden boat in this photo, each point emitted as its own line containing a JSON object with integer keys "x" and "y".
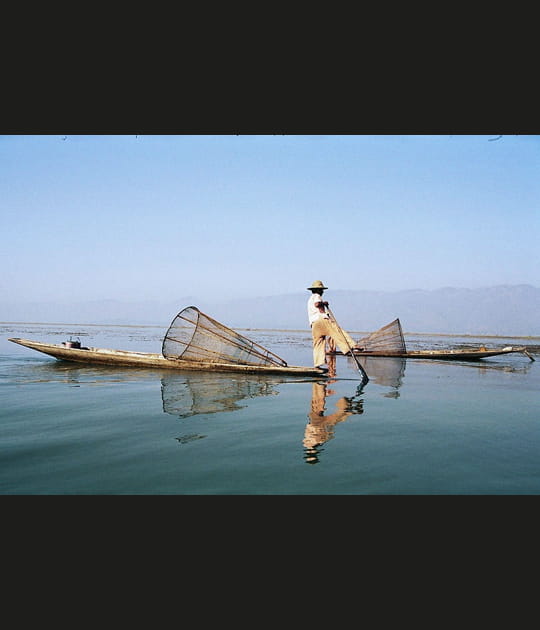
{"x": 466, "y": 354}
{"x": 389, "y": 341}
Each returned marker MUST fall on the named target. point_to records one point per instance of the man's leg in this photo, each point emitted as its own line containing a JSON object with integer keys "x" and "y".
{"x": 319, "y": 342}
{"x": 319, "y": 351}
{"x": 341, "y": 337}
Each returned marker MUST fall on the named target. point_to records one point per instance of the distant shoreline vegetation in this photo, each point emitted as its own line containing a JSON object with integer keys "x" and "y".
{"x": 285, "y": 330}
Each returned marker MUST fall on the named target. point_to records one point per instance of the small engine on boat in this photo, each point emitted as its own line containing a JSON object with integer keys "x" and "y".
{"x": 72, "y": 343}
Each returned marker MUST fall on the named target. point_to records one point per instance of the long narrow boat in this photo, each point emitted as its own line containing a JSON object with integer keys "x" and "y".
{"x": 105, "y": 356}
{"x": 466, "y": 354}
{"x": 193, "y": 341}
{"x": 389, "y": 341}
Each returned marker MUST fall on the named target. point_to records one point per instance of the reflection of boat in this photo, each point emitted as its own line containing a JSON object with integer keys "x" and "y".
{"x": 189, "y": 394}
{"x": 390, "y": 371}
{"x": 388, "y": 341}
{"x": 484, "y": 366}
{"x": 80, "y": 373}
{"x": 194, "y": 341}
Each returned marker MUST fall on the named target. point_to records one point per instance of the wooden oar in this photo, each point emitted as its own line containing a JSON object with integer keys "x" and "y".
{"x": 365, "y": 377}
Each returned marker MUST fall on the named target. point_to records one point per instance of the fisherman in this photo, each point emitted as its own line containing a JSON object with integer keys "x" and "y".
{"x": 322, "y": 326}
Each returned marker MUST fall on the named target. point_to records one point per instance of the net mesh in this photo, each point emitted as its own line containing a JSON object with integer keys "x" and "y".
{"x": 389, "y": 338}
{"x": 185, "y": 396}
{"x": 388, "y": 371}
{"x": 195, "y": 336}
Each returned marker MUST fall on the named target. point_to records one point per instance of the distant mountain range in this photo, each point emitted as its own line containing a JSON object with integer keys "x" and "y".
{"x": 497, "y": 310}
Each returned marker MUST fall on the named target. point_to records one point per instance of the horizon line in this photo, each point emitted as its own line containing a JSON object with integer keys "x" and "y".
{"x": 297, "y": 330}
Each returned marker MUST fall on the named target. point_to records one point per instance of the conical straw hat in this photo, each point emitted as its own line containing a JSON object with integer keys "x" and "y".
{"x": 317, "y": 285}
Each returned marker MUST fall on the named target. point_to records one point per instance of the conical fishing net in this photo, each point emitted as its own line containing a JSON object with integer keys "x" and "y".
{"x": 389, "y": 338}
{"x": 195, "y": 336}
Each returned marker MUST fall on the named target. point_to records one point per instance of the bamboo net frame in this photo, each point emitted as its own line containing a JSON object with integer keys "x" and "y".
{"x": 195, "y": 336}
{"x": 389, "y": 338}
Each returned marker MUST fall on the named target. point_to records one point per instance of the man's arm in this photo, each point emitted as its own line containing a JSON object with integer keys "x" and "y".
{"x": 321, "y": 305}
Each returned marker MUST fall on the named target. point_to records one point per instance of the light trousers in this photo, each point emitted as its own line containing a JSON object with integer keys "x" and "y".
{"x": 322, "y": 328}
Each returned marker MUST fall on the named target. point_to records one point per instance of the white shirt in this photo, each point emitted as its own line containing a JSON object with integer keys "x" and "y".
{"x": 312, "y": 310}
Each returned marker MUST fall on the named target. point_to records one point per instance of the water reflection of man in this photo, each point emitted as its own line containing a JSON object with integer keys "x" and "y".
{"x": 320, "y": 428}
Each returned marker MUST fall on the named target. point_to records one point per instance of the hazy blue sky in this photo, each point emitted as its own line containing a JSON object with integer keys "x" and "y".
{"x": 161, "y": 217}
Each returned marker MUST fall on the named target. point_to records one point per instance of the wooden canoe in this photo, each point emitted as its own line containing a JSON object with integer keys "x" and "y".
{"x": 105, "y": 356}
{"x": 467, "y": 354}
{"x": 389, "y": 341}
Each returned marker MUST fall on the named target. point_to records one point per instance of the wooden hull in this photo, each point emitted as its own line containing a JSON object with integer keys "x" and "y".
{"x": 388, "y": 341}
{"x": 145, "y": 359}
{"x": 461, "y": 355}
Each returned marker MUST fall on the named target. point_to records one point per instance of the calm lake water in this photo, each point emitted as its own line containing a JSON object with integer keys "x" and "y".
{"x": 417, "y": 427}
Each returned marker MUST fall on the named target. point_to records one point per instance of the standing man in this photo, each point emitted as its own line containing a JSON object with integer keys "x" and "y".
{"x": 322, "y": 326}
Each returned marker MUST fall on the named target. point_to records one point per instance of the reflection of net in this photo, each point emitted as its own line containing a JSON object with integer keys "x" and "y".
{"x": 211, "y": 393}
{"x": 195, "y": 336}
{"x": 389, "y": 338}
{"x": 387, "y": 371}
